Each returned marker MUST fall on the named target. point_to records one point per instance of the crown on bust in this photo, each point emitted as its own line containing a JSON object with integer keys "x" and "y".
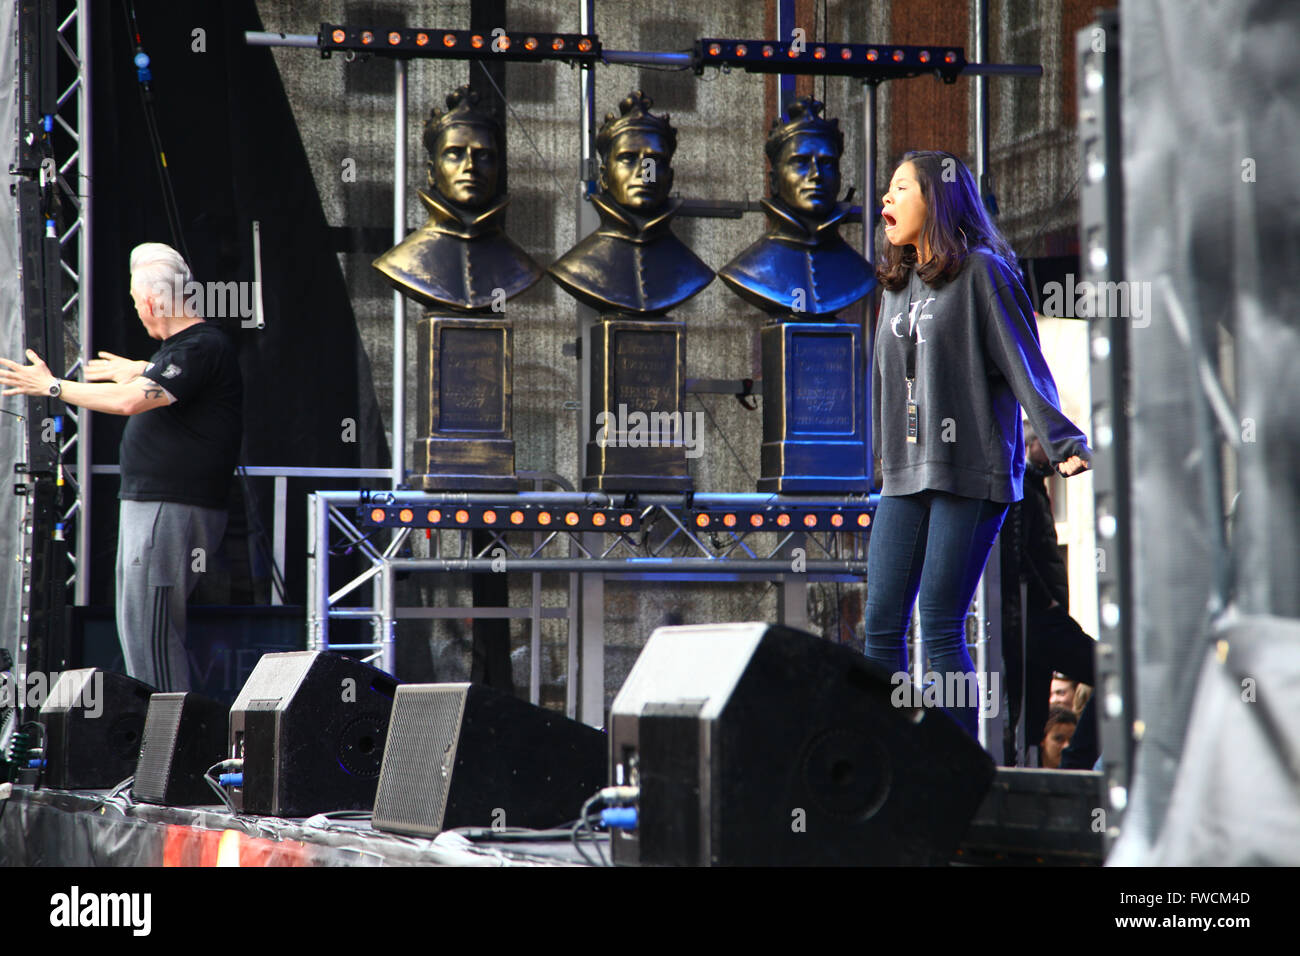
{"x": 634, "y": 113}
{"x": 805, "y": 117}
{"x": 462, "y": 110}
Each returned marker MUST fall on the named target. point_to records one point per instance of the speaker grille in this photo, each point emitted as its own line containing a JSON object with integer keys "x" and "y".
{"x": 158, "y": 748}
{"x": 419, "y": 758}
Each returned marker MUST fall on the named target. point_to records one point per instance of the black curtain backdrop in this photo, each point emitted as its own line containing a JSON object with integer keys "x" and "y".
{"x": 234, "y": 156}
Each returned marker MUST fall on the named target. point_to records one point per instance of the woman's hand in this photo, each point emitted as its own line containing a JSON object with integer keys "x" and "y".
{"x": 1073, "y": 466}
{"x": 113, "y": 368}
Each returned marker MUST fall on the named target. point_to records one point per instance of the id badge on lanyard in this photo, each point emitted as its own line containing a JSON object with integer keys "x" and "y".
{"x": 913, "y": 414}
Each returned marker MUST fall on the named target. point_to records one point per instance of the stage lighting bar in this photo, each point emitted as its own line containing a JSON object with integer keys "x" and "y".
{"x": 498, "y": 44}
{"x": 781, "y": 519}
{"x": 883, "y": 61}
{"x": 498, "y": 517}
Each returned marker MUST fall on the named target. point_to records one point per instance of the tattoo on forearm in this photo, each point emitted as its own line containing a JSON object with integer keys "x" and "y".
{"x": 152, "y": 391}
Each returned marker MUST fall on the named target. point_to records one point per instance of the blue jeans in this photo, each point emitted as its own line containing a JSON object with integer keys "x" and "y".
{"x": 933, "y": 544}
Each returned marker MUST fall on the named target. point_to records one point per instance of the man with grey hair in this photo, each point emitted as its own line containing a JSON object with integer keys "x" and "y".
{"x": 177, "y": 457}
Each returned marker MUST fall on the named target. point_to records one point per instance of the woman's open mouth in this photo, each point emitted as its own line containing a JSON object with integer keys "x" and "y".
{"x": 890, "y": 222}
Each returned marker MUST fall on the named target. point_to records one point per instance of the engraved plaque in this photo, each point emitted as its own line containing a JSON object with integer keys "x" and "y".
{"x": 822, "y": 371}
{"x": 645, "y": 378}
{"x": 471, "y": 392}
{"x": 638, "y": 379}
{"x": 814, "y": 414}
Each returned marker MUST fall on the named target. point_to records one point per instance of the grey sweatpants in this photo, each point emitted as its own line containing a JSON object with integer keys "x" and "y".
{"x": 162, "y": 548}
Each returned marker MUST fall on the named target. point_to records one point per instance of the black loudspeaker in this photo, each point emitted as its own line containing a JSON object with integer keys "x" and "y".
{"x": 466, "y": 755}
{"x": 184, "y": 735}
{"x": 310, "y": 728}
{"x": 93, "y": 723}
{"x": 760, "y": 745}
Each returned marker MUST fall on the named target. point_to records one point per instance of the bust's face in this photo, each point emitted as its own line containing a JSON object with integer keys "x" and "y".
{"x": 637, "y": 173}
{"x": 465, "y": 166}
{"x": 806, "y": 176}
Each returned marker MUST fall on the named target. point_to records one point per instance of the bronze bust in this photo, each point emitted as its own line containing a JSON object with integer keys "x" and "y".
{"x": 802, "y": 267}
{"x": 461, "y": 259}
{"x": 633, "y": 263}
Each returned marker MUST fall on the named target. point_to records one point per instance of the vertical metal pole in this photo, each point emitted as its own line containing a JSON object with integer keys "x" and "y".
{"x": 792, "y": 592}
{"x": 869, "y": 105}
{"x": 785, "y": 25}
{"x": 535, "y": 632}
{"x": 85, "y": 273}
{"x": 387, "y": 621}
{"x": 399, "y": 307}
{"x": 591, "y": 633}
{"x": 318, "y": 571}
{"x": 278, "y": 532}
{"x": 571, "y": 662}
{"x": 988, "y": 653}
{"x": 869, "y": 173}
{"x": 982, "y": 98}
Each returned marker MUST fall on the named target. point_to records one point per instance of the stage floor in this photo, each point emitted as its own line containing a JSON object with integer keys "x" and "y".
{"x": 90, "y": 828}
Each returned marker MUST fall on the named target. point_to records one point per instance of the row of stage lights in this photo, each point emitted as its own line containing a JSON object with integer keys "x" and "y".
{"x": 459, "y": 44}
{"x": 756, "y": 56}
{"x": 533, "y": 518}
{"x": 842, "y": 59}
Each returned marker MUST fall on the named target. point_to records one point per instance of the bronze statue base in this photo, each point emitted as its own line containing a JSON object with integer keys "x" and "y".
{"x": 464, "y": 419}
{"x": 814, "y": 409}
{"x": 638, "y": 390}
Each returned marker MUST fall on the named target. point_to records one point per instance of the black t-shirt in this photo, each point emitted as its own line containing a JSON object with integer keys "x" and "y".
{"x": 186, "y": 451}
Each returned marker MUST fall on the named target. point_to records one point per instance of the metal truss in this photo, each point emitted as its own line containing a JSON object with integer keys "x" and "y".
{"x": 664, "y": 547}
{"x": 73, "y": 178}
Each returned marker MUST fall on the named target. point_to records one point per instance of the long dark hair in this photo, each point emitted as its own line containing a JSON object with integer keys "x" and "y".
{"x": 956, "y": 223}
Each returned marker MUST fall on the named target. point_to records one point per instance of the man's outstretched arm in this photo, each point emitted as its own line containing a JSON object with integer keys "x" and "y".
{"x": 115, "y": 398}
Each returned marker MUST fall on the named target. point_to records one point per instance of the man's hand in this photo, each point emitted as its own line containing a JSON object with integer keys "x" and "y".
{"x": 113, "y": 368}
{"x": 34, "y": 379}
{"x": 1073, "y": 466}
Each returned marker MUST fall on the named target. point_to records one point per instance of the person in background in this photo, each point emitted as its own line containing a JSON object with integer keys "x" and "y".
{"x": 1060, "y": 727}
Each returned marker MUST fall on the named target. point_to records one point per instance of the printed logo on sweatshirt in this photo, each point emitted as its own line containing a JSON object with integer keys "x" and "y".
{"x": 171, "y": 371}
{"x": 914, "y": 317}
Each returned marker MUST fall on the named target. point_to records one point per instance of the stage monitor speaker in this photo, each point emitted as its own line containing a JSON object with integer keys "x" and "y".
{"x": 466, "y": 755}
{"x": 184, "y": 735}
{"x": 310, "y": 728}
{"x": 93, "y": 722}
{"x": 760, "y": 745}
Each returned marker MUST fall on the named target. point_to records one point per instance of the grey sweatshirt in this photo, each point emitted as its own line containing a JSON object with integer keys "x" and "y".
{"x": 977, "y": 361}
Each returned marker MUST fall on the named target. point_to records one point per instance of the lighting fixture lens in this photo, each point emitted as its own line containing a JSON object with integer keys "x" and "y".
{"x": 406, "y": 516}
